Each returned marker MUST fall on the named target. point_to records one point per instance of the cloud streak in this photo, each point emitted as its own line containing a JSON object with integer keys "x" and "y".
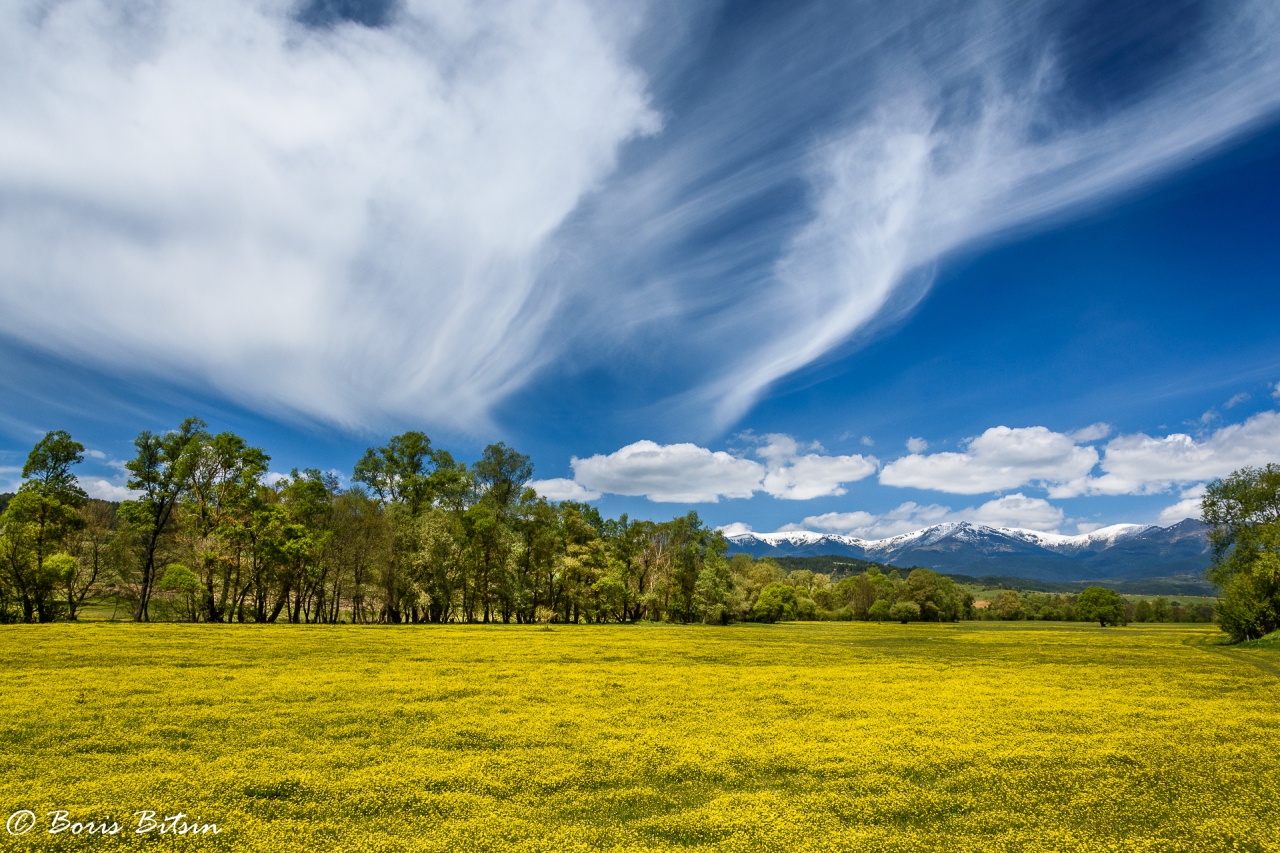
{"x": 344, "y": 221}
{"x": 407, "y": 222}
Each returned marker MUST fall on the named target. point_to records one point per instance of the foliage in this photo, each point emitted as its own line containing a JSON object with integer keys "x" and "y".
{"x": 904, "y": 612}
{"x": 1243, "y": 512}
{"x": 1098, "y": 604}
{"x": 419, "y": 537}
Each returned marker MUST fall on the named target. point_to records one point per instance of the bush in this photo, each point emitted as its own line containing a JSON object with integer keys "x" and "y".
{"x": 879, "y": 610}
{"x": 905, "y": 611}
{"x": 777, "y": 603}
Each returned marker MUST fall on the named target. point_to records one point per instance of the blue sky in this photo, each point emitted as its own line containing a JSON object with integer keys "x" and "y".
{"x": 875, "y": 268}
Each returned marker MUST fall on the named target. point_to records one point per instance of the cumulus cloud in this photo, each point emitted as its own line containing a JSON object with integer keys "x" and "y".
{"x": 801, "y": 476}
{"x": 917, "y": 445}
{"x": 674, "y": 473}
{"x": 201, "y": 190}
{"x": 105, "y": 491}
{"x": 1139, "y": 463}
{"x": 563, "y": 489}
{"x": 1016, "y": 510}
{"x": 866, "y": 441}
{"x": 736, "y": 528}
{"x": 1093, "y": 432}
{"x": 1188, "y": 507}
{"x": 999, "y": 459}
{"x": 687, "y": 473}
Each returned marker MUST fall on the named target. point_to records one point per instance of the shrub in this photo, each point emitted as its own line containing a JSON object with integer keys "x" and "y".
{"x": 905, "y": 611}
{"x": 777, "y": 603}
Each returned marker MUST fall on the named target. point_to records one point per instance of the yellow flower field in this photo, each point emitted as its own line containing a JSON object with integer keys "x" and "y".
{"x": 830, "y": 736}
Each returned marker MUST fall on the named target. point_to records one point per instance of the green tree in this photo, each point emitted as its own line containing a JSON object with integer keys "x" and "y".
{"x": 1243, "y": 514}
{"x": 777, "y": 603}
{"x": 1007, "y": 606}
{"x": 905, "y": 611}
{"x": 880, "y": 610}
{"x": 37, "y": 521}
{"x": 1101, "y": 605}
{"x": 161, "y": 471}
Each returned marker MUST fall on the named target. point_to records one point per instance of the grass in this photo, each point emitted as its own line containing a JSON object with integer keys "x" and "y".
{"x": 827, "y": 736}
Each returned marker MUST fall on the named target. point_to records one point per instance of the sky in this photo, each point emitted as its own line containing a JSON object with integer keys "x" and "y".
{"x": 848, "y": 267}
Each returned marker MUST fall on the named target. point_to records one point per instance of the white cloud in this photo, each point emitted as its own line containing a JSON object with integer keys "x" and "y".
{"x": 927, "y": 170}
{"x": 999, "y": 459}
{"x": 917, "y": 445}
{"x": 692, "y": 474}
{"x": 674, "y": 473}
{"x": 271, "y": 478}
{"x": 1188, "y": 507}
{"x": 366, "y": 210}
{"x": 1141, "y": 464}
{"x": 795, "y": 476}
{"x": 1016, "y": 510}
{"x": 102, "y": 490}
{"x": 867, "y": 442}
{"x": 1275, "y": 392}
{"x": 563, "y": 489}
{"x": 736, "y": 528}
{"x": 1242, "y": 397}
{"x": 1093, "y": 432}
{"x": 95, "y": 454}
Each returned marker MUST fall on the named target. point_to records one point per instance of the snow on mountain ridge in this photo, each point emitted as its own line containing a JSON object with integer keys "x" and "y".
{"x": 1054, "y": 541}
{"x": 1105, "y": 536}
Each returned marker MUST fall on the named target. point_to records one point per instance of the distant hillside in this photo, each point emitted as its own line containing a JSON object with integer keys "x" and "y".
{"x": 841, "y": 567}
{"x": 1122, "y": 551}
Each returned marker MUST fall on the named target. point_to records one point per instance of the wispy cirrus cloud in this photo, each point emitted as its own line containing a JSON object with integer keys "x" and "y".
{"x": 306, "y": 212}
{"x": 367, "y": 219}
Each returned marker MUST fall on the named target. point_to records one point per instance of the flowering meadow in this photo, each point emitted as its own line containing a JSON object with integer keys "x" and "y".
{"x": 816, "y": 736}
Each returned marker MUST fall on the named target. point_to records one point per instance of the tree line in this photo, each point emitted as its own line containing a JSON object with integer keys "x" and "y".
{"x": 419, "y": 536}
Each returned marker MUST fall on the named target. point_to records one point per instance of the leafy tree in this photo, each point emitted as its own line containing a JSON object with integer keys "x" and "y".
{"x": 1160, "y": 610}
{"x": 1007, "y": 606}
{"x": 399, "y": 472}
{"x": 186, "y": 584}
{"x": 880, "y": 610}
{"x": 1243, "y": 513}
{"x": 1143, "y": 612}
{"x": 161, "y": 471}
{"x": 1098, "y": 604}
{"x": 714, "y": 590}
{"x": 37, "y": 521}
{"x": 777, "y": 603}
{"x": 905, "y": 611}
{"x": 48, "y": 468}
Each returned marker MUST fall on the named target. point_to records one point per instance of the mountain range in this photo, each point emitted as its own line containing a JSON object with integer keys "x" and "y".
{"x": 1118, "y": 551}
